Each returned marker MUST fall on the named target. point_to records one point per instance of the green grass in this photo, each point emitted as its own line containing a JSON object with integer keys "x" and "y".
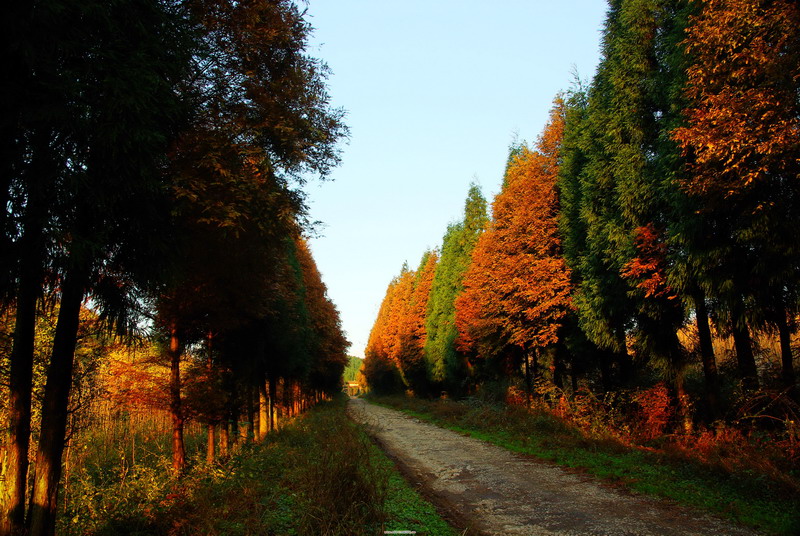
{"x": 745, "y": 496}
{"x": 407, "y": 510}
{"x": 321, "y": 475}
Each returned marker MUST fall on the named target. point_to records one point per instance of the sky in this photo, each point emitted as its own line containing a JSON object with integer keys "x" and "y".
{"x": 435, "y": 92}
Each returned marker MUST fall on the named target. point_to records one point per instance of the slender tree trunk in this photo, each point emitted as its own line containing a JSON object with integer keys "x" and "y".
{"x": 273, "y": 394}
{"x": 233, "y": 414}
{"x": 212, "y": 428}
{"x": 224, "y": 438}
{"x": 787, "y": 366}
{"x": 263, "y": 410}
{"x": 710, "y": 373}
{"x": 211, "y": 443}
{"x": 250, "y": 432}
{"x": 574, "y": 377}
{"x": 622, "y": 359}
{"x": 234, "y": 430}
{"x": 683, "y": 405}
{"x": 55, "y": 405}
{"x": 175, "y": 403}
{"x": 744, "y": 347}
{"x": 30, "y": 251}
{"x": 12, "y": 516}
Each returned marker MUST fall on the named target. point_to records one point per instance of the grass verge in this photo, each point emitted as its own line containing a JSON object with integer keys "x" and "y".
{"x": 745, "y": 496}
{"x": 320, "y": 475}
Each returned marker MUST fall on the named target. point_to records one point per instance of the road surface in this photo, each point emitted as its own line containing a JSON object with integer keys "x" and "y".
{"x": 489, "y": 490}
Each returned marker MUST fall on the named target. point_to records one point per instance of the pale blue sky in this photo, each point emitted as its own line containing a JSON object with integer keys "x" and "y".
{"x": 435, "y": 91}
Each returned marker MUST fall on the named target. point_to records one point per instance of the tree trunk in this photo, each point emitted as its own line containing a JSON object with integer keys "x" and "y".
{"x": 234, "y": 414}
{"x": 623, "y": 360}
{"x": 211, "y": 443}
{"x": 744, "y": 347}
{"x": 175, "y": 403}
{"x": 272, "y": 396}
{"x": 250, "y": 433}
{"x": 30, "y": 252}
{"x": 55, "y": 405}
{"x": 682, "y": 404}
{"x": 710, "y": 373}
{"x": 12, "y": 515}
{"x": 224, "y": 438}
{"x": 263, "y": 410}
{"x": 788, "y": 378}
{"x": 574, "y": 376}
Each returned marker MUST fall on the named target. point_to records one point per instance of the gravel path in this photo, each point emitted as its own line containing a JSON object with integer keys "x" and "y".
{"x": 490, "y": 490}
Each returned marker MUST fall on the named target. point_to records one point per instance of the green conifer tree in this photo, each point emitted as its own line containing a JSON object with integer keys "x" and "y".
{"x": 447, "y": 368}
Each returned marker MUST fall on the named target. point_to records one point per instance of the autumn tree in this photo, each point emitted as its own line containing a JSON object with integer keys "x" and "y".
{"x": 328, "y": 343}
{"x": 262, "y": 124}
{"x": 517, "y": 287}
{"x": 105, "y": 89}
{"x": 740, "y": 136}
{"x": 447, "y": 367}
{"x": 381, "y": 367}
{"x": 414, "y": 334}
{"x": 380, "y": 371}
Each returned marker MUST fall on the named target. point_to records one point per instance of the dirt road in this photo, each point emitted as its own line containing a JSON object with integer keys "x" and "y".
{"x": 492, "y": 491}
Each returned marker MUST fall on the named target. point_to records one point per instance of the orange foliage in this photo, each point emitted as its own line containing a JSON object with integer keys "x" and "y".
{"x": 744, "y": 115}
{"x": 518, "y": 287}
{"x": 655, "y": 412}
{"x": 139, "y": 380}
{"x": 398, "y": 334}
{"x": 648, "y": 267}
{"x": 420, "y": 296}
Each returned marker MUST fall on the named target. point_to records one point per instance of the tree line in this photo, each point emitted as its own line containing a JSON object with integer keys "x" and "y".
{"x": 650, "y": 225}
{"x": 153, "y": 159}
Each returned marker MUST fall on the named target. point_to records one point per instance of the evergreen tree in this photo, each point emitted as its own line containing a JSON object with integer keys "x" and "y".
{"x": 446, "y": 365}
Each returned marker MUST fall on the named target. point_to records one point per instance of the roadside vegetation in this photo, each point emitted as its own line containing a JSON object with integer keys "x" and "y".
{"x": 318, "y": 475}
{"x": 746, "y": 480}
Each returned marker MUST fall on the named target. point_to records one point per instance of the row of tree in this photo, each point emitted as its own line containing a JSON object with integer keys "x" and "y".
{"x": 652, "y": 219}
{"x": 153, "y": 153}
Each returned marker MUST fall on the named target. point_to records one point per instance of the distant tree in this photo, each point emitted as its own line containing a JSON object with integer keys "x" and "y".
{"x": 415, "y": 334}
{"x": 351, "y": 370}
{"x": 447, "y": 366}
{"x": 517, "y": 288}
{"x": 328, "y": 343}
{"x": 381, "y": 365}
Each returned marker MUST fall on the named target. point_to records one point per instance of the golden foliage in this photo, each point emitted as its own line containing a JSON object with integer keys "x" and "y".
{"x": 518, "y": 285}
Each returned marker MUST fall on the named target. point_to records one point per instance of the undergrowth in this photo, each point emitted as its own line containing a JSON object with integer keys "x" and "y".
{"x": 320, "y": 475}
{"x": 746, "y": 492}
